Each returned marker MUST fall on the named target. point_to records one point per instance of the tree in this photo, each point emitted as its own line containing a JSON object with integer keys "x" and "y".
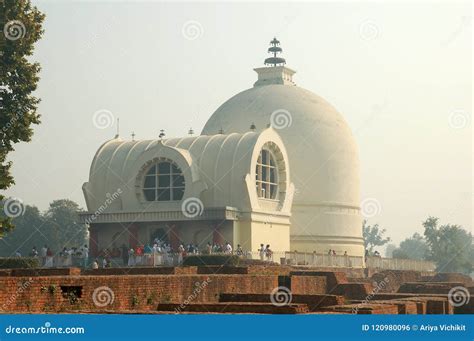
{"x": 449, "y": 246}
{"x": 373, "y": 236}
{"x": 414, "y": 247}
{"x": 21, "y": 25}
{"x": 389, "y": 250}
{"x": 28, "y": 232}
{"x": 64, "y": 226}
{"x": 58, "y": 227}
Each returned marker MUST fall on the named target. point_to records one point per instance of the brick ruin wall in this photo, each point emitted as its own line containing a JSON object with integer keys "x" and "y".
{"x": 144, "y": 289}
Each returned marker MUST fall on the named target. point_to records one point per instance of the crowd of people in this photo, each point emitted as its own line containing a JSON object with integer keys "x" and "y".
{"x": 157, "y": 253}
{"x": 64, "y": 258}
{"x": 333, "y": 253}
{"x": 162, "y": 253}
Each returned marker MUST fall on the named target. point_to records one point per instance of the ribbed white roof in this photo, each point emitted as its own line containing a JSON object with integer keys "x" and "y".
{"x": 218, "y": 169}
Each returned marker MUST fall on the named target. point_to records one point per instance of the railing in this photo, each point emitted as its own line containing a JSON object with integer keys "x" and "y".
{"x": 157, "y": 259}
{"x": 288, "y": 258}
{"x": 315, "y": 259}
{"x": 400, "y": 264}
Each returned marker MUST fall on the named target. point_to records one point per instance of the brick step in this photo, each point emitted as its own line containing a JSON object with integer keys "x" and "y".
{"x": 234, "y": 308}
{"x": 362, "y": 309}
{"x": 405, "y": 307}
{"x": 428, "y": 287}
{"x": 219, "y": 269}
{"x": 312, "y": 301}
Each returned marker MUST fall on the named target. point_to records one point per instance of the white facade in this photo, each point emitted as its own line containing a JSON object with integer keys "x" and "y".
{"x": 216, "y": 175}
{"x": 322, "y": 153}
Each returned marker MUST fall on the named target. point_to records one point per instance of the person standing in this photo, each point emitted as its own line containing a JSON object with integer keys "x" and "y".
{"x": 131, "y": 257}
{"x": 49, "y": 258}
{"x": 228, "y": 248}
{"x": 239, "y": 251}
{"x": 34, "y": 252}
{"x": 85, "y": 255}
{"x": 44, "y": 250}
{"x": 268, "y": 252}
{"x": 262, "y": 252}
{"x": 124, "y": 252}
{"x": 181, "y": 253}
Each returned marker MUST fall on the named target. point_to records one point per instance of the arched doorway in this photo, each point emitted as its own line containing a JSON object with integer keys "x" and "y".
{"x": 161, "y": 233}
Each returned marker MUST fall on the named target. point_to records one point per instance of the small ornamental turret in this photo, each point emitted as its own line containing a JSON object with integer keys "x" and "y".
{"x": 162, "y": 134}
{"x": 275, "y": 48}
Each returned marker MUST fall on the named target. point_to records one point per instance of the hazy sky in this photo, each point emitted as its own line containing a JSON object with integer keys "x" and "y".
{"x": 400, "y": 73}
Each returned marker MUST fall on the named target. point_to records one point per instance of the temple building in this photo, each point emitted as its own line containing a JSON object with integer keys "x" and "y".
{"x": 322, "y": 152}
{"x": 236, "y": 176}
{"x": 219, "y": 188}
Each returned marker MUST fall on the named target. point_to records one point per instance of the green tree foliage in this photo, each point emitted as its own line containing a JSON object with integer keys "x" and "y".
{"x": 414, "y": 247}
{"x": 450, "y": 246}
{"x": 21, "y": 28}
{"x": 58, "y": 227}
{"x": 63, "y": 221}
{"x": 373, "y": 236}
{"x": 389, "y": 250}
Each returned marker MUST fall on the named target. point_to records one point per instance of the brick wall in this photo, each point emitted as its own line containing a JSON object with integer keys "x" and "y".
{"x": 390, "y": 280}
{"x": 308, "y": 285}
{"x": 136, "y": 292}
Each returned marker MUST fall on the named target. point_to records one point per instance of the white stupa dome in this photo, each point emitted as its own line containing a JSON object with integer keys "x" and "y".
{"x": 322, "y": 152}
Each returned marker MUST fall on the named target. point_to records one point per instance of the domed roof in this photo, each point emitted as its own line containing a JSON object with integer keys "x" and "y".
{"x": 322, "y": 152}
{"x": 257, "y": 105}
{"x": 314, "y": 132}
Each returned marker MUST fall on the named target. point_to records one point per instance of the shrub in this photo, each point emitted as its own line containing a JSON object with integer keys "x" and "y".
{"x": 19, "y": 263}
{"x": 202, "y": 260}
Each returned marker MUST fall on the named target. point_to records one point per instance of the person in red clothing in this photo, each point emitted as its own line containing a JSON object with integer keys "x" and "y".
{"x": 138, "y": 254}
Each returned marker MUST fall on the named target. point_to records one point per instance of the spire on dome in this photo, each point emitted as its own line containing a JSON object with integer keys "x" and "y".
{"x": 277, "y": 72}
{"x": 275, "y": 48}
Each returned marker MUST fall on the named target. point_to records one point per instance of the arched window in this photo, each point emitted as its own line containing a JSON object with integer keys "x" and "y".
{"x": 266, "y": 175}
{"x": 164, "y": 181}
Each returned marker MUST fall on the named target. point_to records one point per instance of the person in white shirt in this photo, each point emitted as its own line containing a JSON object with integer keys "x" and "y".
{"x": 85, "y": 255}
{"x": 131, "y": 257}
{"x": 43, "y": 252}
{"x": 228, "y": 248}
{"x": 261, "y": 252}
